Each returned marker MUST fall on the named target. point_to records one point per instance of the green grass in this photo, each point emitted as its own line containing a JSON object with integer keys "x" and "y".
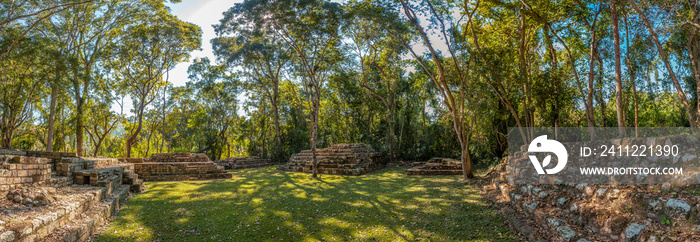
{"x": 268, "y": 205}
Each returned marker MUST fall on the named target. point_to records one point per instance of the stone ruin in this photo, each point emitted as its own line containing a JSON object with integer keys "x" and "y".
{"x": 177, "y": 167}
{"x": 436, "y": 166}
{"x": 234, "y": 163}
{"x": 58, "y": 195}
{"x": 339, "y": 159}
{"x": 588, "y": 212}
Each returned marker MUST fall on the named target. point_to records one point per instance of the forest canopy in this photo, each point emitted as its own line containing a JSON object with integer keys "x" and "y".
{"x": 413, "y": 79}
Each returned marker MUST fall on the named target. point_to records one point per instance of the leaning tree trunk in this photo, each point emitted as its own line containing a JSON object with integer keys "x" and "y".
{"x": 664, "y": 58}
{"x": 132, "y": 139}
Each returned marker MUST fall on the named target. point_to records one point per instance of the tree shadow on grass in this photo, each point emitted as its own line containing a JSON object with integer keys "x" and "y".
{"x": 265, "y": 204}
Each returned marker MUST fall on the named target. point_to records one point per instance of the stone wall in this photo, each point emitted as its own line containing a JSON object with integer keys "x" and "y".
{"x": 436, "y": 166}
{"x": 18, "y": 171}
{"x": 243, "y": 162}
{"x": 339, "y": 159}
{"x": 591, "y": 212}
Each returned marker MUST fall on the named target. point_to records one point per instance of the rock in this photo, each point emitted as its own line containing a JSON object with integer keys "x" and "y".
{"x": 530, "y": 207}
{"x": 555, "y": 222}
{"x": 8, "y": 236}
{"x": 633, "y": 231}
{"x": 601, "y": 192}
{"x": 678, "y": 205}
{"x": 666, "y": 186}
{"x": 536, "y": 190}
{"x": 566, "y": 233}
{"x": 687, "y": 158}
{"x": 654, "y": 204}
{"x": 583, "y": 240}
{"x": 573, "y": 207}
{"x": 581, "y": 186}
{"x": 561, "y": 201}
{"x": 613, "y": 194}
{"x": 679, "y": 209}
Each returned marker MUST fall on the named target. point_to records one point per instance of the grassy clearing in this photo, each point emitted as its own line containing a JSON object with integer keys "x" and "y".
{"x": 265, "y": 204}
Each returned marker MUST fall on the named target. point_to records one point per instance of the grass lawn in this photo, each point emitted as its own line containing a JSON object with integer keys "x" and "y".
{"x": 265, "y": 204}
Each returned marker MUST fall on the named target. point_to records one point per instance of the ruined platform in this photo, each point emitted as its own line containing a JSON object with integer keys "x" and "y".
{"x": 179, "y": 166}
{"x": 234, "y": 163}
{"x": 436, "y": 166}
{"x": 339, "y": 159}
{"x": 58, "y": 196}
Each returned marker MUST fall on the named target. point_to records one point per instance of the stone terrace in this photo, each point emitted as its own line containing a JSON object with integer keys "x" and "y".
{"x": 436, "y": 166}
{"x": 179, "y": 166}
{"x": 243, "y": 162}
{"x": 339, "y": 159}
{"x": 72, "y": 195}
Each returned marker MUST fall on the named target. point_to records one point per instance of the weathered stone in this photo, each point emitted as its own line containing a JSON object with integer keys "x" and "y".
{"x": 678, "y": 209}
{"x": 633, "y": 231}
{"x": 339, "y": 159}
{"x": 530, "y": 207}
{"x": 566, "y": 233}
{"x": 243, "y": 162}
{"x": 436, "y": 166}
{"x": 601, "y": 192}
{"x": 187, "y": 166}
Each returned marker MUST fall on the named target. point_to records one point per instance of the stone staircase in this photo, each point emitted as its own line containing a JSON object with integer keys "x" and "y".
{"x": 339, "y": 159}
{"x": 74, "y": 219}
{"x": 583, "y": 212}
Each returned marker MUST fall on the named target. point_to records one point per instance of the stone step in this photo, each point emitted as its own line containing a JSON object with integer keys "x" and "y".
{"x": 40, "y": 227}
{"x": 82, "y": 227}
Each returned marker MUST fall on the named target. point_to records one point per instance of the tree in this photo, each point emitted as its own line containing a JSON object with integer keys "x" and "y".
{"x": 377, "y": 35}
{"x": 215, "y": 91}
{"x": 455, "y": 102}
{"x": 662, "y": 53}
{"x": 311, "y": 30}
{"x": 150, "y": 49}
{"x": 21, "y": 82}
{"x": 263, "y": 58}
{"x": 618, "y": 71}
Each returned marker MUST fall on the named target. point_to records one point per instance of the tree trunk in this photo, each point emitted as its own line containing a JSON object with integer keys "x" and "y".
{"x": 466, "y": 158}
{"x": 132, "y": 139}
{"x": 601, "y": 98}
{"x": 590, "y": 118}
{"x": 630, "y": 68}
{"x": 98, "y": 145}
{"x": 278, "y": 144}
{"x": 52, "y": 116}
{"x": 79, "y": 126}
{"x": 314, "y": 130}
{"x": 664, "y": 58}
{"x": 694, "y": 54}
{"x": 618, "y": 71}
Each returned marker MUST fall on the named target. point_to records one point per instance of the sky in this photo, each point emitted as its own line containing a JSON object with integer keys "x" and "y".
{"x": 203, "y": 13}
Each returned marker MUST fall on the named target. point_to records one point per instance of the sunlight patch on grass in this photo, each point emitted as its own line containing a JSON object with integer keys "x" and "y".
{"x": 263, "y": 204}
